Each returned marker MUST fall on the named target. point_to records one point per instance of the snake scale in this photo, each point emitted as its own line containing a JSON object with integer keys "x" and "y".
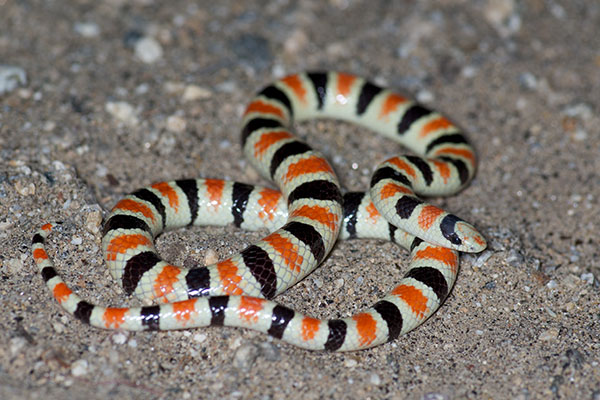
{"x": 306, "y": 217}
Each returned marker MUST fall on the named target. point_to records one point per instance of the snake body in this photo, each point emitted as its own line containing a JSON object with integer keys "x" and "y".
{"x": 306, "y": 215}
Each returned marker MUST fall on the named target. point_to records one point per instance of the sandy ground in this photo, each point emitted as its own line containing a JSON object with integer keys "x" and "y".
{"x": 121, "y": 94}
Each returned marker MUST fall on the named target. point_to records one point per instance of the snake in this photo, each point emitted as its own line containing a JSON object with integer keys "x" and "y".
{"x": 305, "y": 215}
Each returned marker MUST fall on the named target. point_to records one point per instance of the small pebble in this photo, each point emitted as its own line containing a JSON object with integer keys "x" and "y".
{"x": 295, "y": 42}
{"x": 122, "y": 111}
{"x": 425, "y": 96}
{"x": 13, "y": 266}
{"x": 93, "y": 221}
{"x": 269, "y": 351}
{"x": 16, "y": 345}
{"x": 548, "y": 335}
{"x": 58, "y": 327}
{"x": 148, "y": 50}
{"x": 588, "y": 278}
{"x": 87, "y": 29}
{"x": 176, "y": 124}
{"x": 374, "y": 379}
{"x": 350, "y": 363}
{"x": 79, "y": 368}
{"x": 528, "y": 80}
{"x": 199, "y": 337}
{"x": 193, "y": 92}
{"x": 11, "y": 77}
{"x": 119, "y": 338}
{"x": 551, "y": 284}
{"x": 25, "y": 189}
{"x": 76, "y": 240}
{"x": 210, "y": 257}
{"x": 245, "y": 356}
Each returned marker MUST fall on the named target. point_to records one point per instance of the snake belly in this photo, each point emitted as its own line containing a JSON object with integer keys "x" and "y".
{"x": 306, "y": 215}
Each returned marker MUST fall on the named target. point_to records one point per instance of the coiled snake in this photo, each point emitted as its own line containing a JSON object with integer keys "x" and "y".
{"x": 307, "y": 216}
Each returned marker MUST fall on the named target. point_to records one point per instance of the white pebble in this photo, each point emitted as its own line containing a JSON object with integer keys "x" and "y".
{"x": 132, "y": 343}
{"x": 142, "y": 88}
{"x": 199, "y": 337}
{"x": 551, "y": 284}
{"x": 11, "y": 77}
{"x": 122, "y": 111}
{"x": 176, "y": 124}
{"x": 79, "y": 368}
{"x": 193, "y": 92}
{"x": 16, "y": 345}
{"x": 76, "y": 240}
{"x": 58, "y": 165}
{"x": 148, "y": 50}
{"x": 87, "y": 29}
{"x": 350, "y": 362}
{"x": 58, "y": 327}
{"x": 588, "y": 278}
{"x": 119, "y": 338}
{"x": 375, "y": 379}
{"x": 548, "y": 335}
{"x": 25, "y": 189}
{"x": 425, "y": 96}
{"x": 580, "y": 135}
{"x": 14, "y": 266}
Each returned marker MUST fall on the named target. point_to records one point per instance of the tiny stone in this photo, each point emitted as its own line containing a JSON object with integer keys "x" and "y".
{"x": 87, "y": 29}
{"x": 16, "y": 345}
{"x": 79, "y": 368}
{"x": 93, "y": 221}
{"x": 375, "y": 379}
{"x": 549, "y": 335}
{"x": 551, "y": 284}
{"x": 210, "y": 257}
{"x": 588, "y": 278}
{"x": 49, "y": 126}
{"x": 132, "y": 343}
{"x": 119, "y": 338}
{"x": 490, "y": 285}
{"x": 425, "y": 96}
{"x": 142, "y": 89}
{"x": 270, "y": 351}
{"x": 14, "y": 266}
{"x": 199, "y": 337}
{"x": 148, "y": 50}
{"x": 58, "y": 327}
{"x": 24, "y": 93}
{"x": 176, "y": 124}
{"x": 122, "y": 111}
{"x": 571, "y": 281}
{"x": 528, "y": 80}
{"x": 24, "y": 189}
{"x": 76, "y": 240}
{"x": 580, "y": 135}
{"x": 173, "y": 87}
{"x": 295, "y": 42}
{"x": 350, "y": 362}
{"x": 339, "y": 283}
{"x": 245, "y": 356}
{"x": 193, "y": 92}
{"x": 11, "y": 77}
{"x": 580, "y": 110}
